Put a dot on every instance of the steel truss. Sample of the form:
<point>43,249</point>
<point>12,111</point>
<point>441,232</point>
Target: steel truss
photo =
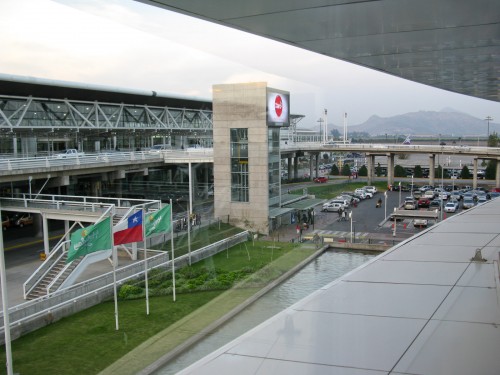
<point>32,114</point>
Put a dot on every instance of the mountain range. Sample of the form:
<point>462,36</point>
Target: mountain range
<point>447,122</point>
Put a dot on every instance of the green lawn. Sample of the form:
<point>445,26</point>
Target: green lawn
<point>87,342</point>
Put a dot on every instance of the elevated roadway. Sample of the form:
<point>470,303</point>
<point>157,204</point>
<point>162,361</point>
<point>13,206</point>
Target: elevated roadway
<point>293,150</point>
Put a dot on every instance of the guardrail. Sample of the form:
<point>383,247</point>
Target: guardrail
<point>385,148</point>
<point>12,164</point>
<point>39,312</point>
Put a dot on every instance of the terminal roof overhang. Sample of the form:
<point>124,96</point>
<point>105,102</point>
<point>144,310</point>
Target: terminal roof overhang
<point>449,44</point>
<point>44,88</point>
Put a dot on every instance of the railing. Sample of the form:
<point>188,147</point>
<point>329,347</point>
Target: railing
<point>436,149</point>
<point>12,164</point>
<point>41,311</point>
<point>44,268</point>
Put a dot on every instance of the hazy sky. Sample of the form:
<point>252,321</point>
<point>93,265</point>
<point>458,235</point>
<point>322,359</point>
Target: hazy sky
<point>128,44</point>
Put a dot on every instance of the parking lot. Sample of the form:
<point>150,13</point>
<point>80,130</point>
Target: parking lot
<point>372,223</point>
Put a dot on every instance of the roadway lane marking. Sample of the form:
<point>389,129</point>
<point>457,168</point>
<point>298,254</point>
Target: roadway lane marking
<point>30,243</point>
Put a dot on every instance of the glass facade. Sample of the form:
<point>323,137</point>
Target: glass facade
<point>239,165</point>
<point>273,142</point>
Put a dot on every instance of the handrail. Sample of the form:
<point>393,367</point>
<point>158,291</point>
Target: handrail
<point>39,307</point>
<point>44,268</point>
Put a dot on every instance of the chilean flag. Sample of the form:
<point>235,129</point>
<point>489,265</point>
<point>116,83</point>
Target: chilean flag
<point>129,230</point>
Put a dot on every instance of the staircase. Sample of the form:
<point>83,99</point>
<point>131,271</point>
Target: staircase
<point>41,287</point>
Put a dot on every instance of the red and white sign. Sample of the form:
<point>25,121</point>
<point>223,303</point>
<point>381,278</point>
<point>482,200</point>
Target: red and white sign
<point>278,108</point>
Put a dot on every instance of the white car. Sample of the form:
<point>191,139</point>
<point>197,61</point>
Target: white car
<point>332,207</point>
<point>370,189</point>
<point>451,206</point>
<point>362,192</point>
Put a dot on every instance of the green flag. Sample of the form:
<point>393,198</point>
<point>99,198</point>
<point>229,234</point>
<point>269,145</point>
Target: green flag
<point>90,239</point>
<point>158,222</point>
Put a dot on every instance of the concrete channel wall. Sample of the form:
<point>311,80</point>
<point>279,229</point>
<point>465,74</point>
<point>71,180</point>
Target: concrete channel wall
<point>40,312</point>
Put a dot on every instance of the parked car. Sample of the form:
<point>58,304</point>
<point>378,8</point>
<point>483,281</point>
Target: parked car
<point>426,187</point>
<point>410,204</point>
<point>424,202</point>
<point>321,180</point>
<point>5,222</point>
<point>436,204</point>
<point>420,223</point>
<point>456,195</point>
<point>365,192</point>
<point>370,189</point>
<point>429,194</point>
<point>481,198</point>
<point>332,207</point>
<point>26,219</point>
<point>451,206</point>
<point>468,203</point>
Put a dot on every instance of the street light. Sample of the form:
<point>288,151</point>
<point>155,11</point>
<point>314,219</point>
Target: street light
<point>412,185</point>
<point>350,218</point>
<point>488,118</point>
<point>395,223</point>
<point>399,194</point>
<point>385,205</point>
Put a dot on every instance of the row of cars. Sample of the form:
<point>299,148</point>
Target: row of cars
<point>16,220</point>
<point>346,199</point>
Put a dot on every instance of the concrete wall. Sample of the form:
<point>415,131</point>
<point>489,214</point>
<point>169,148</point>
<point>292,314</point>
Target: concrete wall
<point>241,106</point>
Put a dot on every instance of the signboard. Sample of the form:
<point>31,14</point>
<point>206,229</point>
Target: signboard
<point>278,108</point>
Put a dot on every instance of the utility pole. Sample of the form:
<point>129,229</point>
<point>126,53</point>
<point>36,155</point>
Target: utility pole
<point>488,119</point>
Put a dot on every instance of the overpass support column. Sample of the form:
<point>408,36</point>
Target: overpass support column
<point>390,169</point>
<point>474,174</point>
<point>432,169</point>
<point>289,165</point>
<point>497,175</point>
<point>96,189</point>
<point>295,167</point>
<point>45,225</point>
<point>371,166</point>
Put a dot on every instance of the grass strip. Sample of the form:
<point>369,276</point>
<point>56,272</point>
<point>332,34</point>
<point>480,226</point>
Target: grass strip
<point>87,342</point>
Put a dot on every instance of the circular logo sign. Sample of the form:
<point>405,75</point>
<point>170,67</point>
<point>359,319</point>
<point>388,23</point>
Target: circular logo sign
<point>278,105</point>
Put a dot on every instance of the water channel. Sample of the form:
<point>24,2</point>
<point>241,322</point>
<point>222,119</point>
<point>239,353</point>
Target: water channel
<point>323,270</point>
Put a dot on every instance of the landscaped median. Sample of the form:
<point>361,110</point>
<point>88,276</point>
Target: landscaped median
<point>159,349</point>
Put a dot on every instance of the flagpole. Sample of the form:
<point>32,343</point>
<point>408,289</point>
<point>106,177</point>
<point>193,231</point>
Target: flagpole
<point>172,247</point>
<point>145,260</point>
<point>115,261</point>
<point>5,304</point>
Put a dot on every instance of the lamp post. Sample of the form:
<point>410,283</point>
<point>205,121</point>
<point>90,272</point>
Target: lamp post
<point>488,119</point>
<point>350,218</point>
<point>320,128</point>
<point>385,205</point>
<point>395,223</point>
<point>412,185</point>
<point>399,194</point>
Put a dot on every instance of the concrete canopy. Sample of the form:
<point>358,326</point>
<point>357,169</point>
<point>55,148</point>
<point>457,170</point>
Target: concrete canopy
<point>449,44</point>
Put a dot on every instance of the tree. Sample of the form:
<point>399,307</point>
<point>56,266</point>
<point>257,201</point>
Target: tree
<point>493,140</point>
<point>465,173</point>
<point>417,171</point>
<point>438,171</point>
<point>346,170</point>
<point>363,171</point>
<point>399,171</point>
<point>491,170</point>
<point>335,170</point>
<point>378,170</point>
